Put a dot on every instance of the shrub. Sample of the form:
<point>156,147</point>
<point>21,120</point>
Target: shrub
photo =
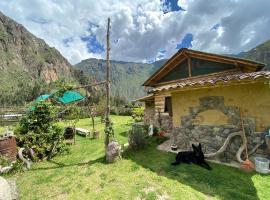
<point>38,130</point>
<point>137,137</point>
<point>138,114</point>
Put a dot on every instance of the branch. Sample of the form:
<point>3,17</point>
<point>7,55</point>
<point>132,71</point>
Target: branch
<point>226,143</point>
<point>90,85</point>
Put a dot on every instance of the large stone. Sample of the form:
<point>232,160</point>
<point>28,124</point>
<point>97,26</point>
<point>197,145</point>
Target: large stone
<point>5,190</point>
<point>113,152</point>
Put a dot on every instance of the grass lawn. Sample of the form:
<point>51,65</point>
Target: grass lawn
<point>146,174</point>
<point>2,129</point>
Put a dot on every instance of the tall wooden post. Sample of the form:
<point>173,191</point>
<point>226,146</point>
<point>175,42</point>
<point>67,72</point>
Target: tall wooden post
<point>107,117</point>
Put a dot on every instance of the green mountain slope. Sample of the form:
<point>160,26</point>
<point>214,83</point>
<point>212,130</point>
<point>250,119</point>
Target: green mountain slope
<point>126,77</point>
<point>260,53</point>
<point>25,62</point>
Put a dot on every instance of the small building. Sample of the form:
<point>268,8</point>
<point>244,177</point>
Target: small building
<point>200,96</point>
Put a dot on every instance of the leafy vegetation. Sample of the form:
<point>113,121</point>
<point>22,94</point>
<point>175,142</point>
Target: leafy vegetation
<point>144,174</point>
<point>138,114</point>
<point>38,130</point>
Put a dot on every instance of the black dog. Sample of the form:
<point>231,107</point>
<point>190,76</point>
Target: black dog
<point>196,156</point>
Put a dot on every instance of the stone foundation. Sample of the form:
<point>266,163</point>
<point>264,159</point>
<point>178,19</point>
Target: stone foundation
<point>210,124</point>
<point>161,120</point>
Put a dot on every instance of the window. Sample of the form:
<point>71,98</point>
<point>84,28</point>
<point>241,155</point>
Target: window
<point>202,67</point>
<point>168,105</point>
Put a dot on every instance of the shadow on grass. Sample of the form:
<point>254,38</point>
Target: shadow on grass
<point>62,165</point>
<point>124,134</point>
<point>223,182</point>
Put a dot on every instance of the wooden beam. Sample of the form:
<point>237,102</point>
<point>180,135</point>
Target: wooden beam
<point>226,72</point>
<point>170,62</point>
<point>189,66</point>
<point>170,68</point>
<point>221,60</point>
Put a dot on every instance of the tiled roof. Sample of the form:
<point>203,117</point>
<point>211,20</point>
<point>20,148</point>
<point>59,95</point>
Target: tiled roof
<point>145,98</point>
<point>239,76</point>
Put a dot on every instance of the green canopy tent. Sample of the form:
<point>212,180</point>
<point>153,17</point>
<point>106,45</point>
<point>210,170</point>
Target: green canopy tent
<point>68,97</point>
<point>42,97</point>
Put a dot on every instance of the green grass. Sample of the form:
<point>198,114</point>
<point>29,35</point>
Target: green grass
<point>145,174</point>
<point>2,129</point>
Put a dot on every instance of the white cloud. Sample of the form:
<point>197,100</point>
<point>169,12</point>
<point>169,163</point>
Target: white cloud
<point>140,29</point>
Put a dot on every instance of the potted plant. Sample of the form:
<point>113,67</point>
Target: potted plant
<point>161,132</point>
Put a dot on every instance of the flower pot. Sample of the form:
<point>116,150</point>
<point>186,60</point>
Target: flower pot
<point>96,134</point>
<point>8,147</point>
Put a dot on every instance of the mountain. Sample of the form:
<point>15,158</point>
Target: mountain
<point>126,77</point>
<point>26,61</point>
<point>260,53</point>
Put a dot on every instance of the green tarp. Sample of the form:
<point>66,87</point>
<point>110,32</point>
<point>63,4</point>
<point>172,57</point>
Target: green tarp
<point>42,97</point>
<point>68,97</point>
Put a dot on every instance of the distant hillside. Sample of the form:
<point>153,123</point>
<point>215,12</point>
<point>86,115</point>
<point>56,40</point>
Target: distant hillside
<point>260,53</point>
<point>26,61</point>
<point>126,77</point>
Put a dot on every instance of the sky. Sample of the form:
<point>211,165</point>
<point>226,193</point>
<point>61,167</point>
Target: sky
<point>143,30</point>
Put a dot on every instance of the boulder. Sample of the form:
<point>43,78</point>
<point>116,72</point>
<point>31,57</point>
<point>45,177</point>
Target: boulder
<point>113,152</point>
<point>5,190</point>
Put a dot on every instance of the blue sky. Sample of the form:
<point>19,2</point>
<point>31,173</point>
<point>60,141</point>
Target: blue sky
<point>143,30</point>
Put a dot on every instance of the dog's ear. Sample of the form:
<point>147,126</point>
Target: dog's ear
<point>194,147</point>
<point>200,147</point>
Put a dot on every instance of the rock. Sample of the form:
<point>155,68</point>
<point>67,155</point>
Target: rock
<point>216,130</point>
<point>5,189</point>
<point>226,131</point>
<point>13,187</point>
<point>113,152</point>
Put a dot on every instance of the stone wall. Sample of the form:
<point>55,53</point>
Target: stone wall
<point>149,112</point>
<point>196,129</point>
<point>157,117</point>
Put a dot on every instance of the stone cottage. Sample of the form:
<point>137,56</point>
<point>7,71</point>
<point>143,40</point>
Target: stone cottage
<point>203,97</point>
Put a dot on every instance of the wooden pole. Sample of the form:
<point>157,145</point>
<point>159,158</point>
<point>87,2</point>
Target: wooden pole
<point>107,82</point>
<point>189,66</point>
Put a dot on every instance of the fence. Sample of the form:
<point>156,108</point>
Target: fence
<point>10,115</point>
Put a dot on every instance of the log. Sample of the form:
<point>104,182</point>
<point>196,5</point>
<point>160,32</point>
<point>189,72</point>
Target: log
<point>226,143</point>
<point>224,146</point>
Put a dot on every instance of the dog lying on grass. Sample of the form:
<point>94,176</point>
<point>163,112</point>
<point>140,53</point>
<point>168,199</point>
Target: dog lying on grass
<point>196,156</point>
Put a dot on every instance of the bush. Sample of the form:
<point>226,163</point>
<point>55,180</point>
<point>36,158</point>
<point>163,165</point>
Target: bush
<point>138,114</point>
<point>123,111</point>
<point>38,130</point>
<point>137,137</point>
